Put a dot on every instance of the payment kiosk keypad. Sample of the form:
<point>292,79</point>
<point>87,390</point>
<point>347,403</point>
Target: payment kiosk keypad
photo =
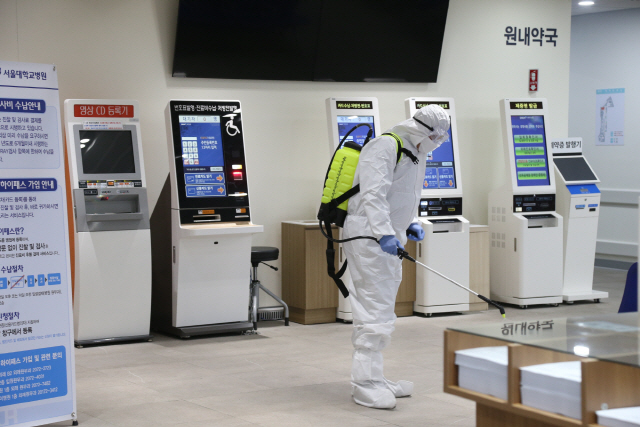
<point>441,206</point>
<point>534,203</point>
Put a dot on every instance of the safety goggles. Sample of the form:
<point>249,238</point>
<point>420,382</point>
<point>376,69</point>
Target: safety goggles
<point>438,137</point>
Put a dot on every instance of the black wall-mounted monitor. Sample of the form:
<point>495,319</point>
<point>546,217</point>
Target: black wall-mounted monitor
<point>324,40</point>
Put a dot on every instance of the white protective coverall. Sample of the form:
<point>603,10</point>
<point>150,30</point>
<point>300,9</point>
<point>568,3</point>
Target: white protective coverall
<point>386,205</point>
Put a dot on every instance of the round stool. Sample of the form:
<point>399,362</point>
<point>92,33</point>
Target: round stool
<point>263,253</point>
<point>260,254</point>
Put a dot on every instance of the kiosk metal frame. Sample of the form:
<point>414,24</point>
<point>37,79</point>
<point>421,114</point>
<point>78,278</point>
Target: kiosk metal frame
<point>578,201</point>
<point>201,226</point>
<point>526,231</point>
<point>112,288</point>
<point>446,244</point>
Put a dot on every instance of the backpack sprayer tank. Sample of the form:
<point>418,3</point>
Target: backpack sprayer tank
<point>339,180</point>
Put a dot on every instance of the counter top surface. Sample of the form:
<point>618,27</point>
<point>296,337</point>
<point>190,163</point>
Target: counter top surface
<point>610,337</point>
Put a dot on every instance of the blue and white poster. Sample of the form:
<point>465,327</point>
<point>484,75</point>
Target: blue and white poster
<point>37,375</point>
<point>610,116</point>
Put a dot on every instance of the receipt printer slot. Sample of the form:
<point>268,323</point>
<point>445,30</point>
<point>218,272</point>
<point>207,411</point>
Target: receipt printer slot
<point>110,211</point>
<point>446,225</point>
<point>541,221</point>
<point>116,204</point>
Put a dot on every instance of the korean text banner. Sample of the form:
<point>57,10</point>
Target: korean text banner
<point>37,376</point>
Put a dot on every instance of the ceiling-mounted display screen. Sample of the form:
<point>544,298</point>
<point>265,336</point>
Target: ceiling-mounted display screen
<point>323,40</point>
<point>346,123</point>
<point>441,167</point>
<point>530,149</point>
<point>107,152</point>
<point>574,169</point>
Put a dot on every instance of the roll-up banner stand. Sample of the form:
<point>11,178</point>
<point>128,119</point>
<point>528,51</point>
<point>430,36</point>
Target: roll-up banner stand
<point>37,374</point>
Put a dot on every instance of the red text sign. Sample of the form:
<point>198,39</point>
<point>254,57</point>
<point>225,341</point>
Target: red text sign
<point>92,110</point>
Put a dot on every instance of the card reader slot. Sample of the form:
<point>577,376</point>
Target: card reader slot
<point>206,218</point>
<point>99,217</point>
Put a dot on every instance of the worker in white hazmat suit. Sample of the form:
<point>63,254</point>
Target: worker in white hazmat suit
<point>385,208</point>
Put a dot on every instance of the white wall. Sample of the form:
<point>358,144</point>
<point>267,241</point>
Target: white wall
<point>124,49</point>
<point>605,55</point>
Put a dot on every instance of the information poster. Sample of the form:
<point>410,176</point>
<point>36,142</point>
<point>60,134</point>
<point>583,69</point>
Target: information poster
<point>37,377</point>
<point>610,116</point>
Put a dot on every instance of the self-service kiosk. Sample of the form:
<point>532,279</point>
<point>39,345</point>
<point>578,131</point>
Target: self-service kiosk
<point>445,247</point>
<point>343,114</point>
<point>578,201</point>
<point>112,286</point>
<point>201,227</point>
<point>526,231</point>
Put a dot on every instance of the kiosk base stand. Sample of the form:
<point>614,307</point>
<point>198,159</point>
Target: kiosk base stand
<point>186,332</point>
<point>115,340</point>
<point>526,302</point>
<point>162,319</point>
<point>445,248</point>
<point>594,296</point>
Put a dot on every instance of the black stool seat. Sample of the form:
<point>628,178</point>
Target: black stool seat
<point>263,253</point>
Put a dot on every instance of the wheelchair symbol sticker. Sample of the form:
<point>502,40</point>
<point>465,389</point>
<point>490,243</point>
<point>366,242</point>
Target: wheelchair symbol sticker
<point>232,130</point>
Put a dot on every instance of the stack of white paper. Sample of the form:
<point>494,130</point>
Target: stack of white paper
<point>620,417</point>
<point>553,387</point>
<point>483,369</point>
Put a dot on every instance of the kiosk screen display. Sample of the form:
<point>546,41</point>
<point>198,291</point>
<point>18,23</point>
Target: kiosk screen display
<point>107,151</point>
<point>530,149</point>
<point>346,123</point>
<point>202,156</point>
<point>441,169</point>
<point>574,169</point>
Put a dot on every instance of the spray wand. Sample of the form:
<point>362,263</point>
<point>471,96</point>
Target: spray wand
<point>404,254</point>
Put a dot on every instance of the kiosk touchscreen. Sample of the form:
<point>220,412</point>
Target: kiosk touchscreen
<point>201,226</point>
<point>526,230</point>
<point>578,202</point>
<point>112,254</point>
<point>343,114</point>
<point>446,243</point>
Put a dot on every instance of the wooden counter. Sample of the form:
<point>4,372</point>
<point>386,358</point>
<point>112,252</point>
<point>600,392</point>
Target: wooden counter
<point>310,293</point>
<point>603,382</point>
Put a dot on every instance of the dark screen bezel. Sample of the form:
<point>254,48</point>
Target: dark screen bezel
<point>137,175</point>
<point>564,165</point>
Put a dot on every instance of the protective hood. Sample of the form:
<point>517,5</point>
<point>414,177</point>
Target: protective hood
<point>417,129</point>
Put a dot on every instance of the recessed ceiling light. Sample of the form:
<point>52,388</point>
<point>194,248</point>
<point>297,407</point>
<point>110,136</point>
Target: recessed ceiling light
<point>585,3</point>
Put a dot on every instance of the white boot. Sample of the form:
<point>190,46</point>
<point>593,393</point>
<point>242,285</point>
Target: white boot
<point>373,395</point>
<point>400,389</point>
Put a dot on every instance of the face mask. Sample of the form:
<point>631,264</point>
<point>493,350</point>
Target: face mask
<point>439,136</point>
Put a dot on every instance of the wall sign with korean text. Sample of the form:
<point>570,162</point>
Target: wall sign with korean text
<point>530,36</point>
<point>566,146</point>
<point>36,322</point>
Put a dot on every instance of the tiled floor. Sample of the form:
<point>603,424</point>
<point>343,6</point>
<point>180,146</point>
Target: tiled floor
<point>285,376</point>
